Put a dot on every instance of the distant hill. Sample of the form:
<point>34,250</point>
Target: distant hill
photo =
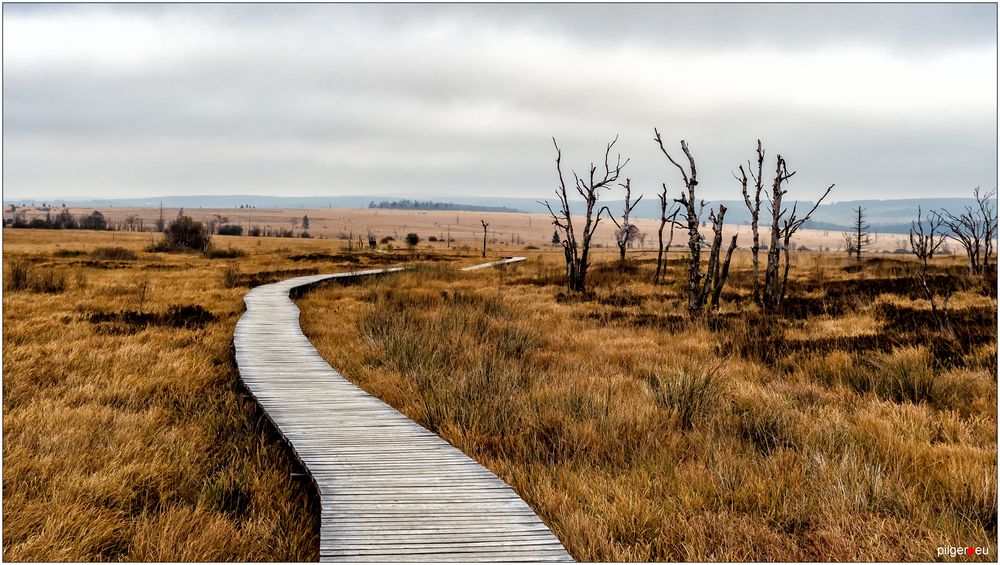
<point>884,216</point>
<point>431,205</point>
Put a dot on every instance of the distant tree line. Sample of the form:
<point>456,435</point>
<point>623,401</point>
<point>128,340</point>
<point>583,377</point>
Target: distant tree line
<point>63,220</point>
<point>430,205</point>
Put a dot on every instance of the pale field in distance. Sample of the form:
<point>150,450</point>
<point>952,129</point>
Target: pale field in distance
<point>465,227</point>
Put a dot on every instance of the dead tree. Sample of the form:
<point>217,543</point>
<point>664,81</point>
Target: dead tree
<point>848,243</point>
<point>661,256</point>
<point>924,243</point>
<point>781,235</point>
<point>485,225</point>
<point>717,274</point>
<point>626,231</point>
<point>788,229</point>
<point>699,286</point>
<point>974,228</point>
<point>859,238</point>
<point>576,247</point>
<point>754,208</point>
<point>988,213</point>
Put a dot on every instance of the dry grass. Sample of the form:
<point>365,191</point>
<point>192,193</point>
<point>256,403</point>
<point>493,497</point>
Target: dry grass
<point>853,433</point>
<point>126,433</point>
<point>846,430</point>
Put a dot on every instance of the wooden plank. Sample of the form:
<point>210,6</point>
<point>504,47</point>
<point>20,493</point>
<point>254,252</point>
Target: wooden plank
<point>389,489</point>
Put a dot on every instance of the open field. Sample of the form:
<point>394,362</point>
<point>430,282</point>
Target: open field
<point>849,431</point>
<point>505,229</point>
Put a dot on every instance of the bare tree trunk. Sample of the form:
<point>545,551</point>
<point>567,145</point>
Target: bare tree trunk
<point>721,282</point>
<point>787,245</point>
<point>624,233</point>
<point>770,297</point>
<point>712,272</point>
<point>661,255</point>
<point>485,225</point>
<point>754,208</point>
<point>699,286</point>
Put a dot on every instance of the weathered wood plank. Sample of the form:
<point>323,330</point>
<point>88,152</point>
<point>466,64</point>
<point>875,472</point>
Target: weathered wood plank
<point>389,489</point>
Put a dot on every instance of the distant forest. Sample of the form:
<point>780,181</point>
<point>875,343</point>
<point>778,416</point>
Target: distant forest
<point>431,205</point>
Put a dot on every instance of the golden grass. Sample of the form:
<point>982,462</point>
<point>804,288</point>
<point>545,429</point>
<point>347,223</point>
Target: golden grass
<point>131,438</point>
<point>849,430</point>
<point>635,433</point>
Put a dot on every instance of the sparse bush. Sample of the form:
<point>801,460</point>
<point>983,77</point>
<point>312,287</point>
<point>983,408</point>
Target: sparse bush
<point>18,273</point>
<point>231,276</point>
<point>113,254</point>
<point>22,275</point>
<point>49,281</point>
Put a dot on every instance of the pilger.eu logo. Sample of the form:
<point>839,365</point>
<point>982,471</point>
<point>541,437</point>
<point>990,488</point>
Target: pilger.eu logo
<point>949,551</point>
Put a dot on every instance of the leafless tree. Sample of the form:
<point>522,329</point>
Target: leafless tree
<point>924,243</point>
<point>974,228</point>
<point>782,230</point>
<point>717,274</point>
<point>788,229</point>
<point>626,231</point>
<point>848,243</point>
<point>576,247</point>
<point>859,238</point>
<point>485,225</point>
<point>754,207</point>
<point>699,286</point>
<point>662,253</point>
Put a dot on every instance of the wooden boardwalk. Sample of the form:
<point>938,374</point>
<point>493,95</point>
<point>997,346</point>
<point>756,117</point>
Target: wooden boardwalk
<point>389,489</point>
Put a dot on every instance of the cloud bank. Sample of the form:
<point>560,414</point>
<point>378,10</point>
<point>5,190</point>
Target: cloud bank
<point>133,100</point>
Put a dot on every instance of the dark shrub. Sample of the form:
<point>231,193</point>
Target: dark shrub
<point>387,239</point>
<point>64,220</point>
<point>18,273</point>
<point>231,229</point>
<point>68,253</point>
<point>95,221</point>
<point>183,233</point>
<point>412,239</point>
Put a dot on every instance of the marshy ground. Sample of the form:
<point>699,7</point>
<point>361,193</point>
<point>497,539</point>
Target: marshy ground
<point>850,428</point>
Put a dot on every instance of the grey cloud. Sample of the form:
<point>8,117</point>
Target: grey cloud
<point>346,99</point>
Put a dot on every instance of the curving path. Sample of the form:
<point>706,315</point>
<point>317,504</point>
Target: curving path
<point>389,489</point>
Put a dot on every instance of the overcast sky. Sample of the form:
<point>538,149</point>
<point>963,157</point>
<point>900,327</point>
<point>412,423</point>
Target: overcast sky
<point>886,101</point>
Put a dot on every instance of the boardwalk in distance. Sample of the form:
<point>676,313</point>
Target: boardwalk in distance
<point>389,489</point>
